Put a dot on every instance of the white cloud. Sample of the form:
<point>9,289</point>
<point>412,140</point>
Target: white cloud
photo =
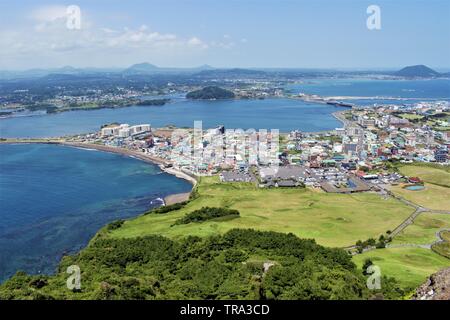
<point>196,42</point>
<point>49,39</point>
<point>49,13</point>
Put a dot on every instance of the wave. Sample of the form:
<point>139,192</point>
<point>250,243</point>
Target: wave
<point>87,149</point>
<point>160,200</point>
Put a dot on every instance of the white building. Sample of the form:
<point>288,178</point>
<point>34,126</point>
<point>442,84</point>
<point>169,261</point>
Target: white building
<point>125,130</point>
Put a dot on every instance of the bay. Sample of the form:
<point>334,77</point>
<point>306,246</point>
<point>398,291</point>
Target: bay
<point>282,114</point>
<point>53,199</point>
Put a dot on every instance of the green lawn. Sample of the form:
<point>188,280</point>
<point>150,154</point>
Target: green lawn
<point>433,175</point>
<point>433,196</point>
<point>410,116</point>
<point>424,228</point>
<point>331,219</point>
<point>443,248</point>
<point>410,266</point>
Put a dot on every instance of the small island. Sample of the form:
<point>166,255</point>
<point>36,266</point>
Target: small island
<point>418,71</point>
<point>152,102</point>
<point>210,93</point>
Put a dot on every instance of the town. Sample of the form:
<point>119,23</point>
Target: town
<point>358,157</point>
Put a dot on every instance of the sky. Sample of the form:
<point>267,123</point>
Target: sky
<point>224,33</point>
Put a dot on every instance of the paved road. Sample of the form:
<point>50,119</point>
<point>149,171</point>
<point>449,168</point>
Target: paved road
<point>408,221</point>
<point>439,239</point>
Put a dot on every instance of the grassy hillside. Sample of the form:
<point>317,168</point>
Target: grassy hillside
<point>433,196</point>
<point>230,266</point>
<point>331,219</point>
<point>430,174</point>
<point>443,248</point>
<point>409,266</point>
<point>424,228</point>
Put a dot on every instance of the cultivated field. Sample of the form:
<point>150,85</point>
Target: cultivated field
<point>331,219</point>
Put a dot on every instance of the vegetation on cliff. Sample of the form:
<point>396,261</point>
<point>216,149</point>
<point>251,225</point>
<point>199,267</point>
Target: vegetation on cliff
<point>210,93</point>
<point>240,264</point>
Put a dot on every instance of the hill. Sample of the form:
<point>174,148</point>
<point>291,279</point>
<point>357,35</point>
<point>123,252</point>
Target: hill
<point>241,264</point>
<point>418,71</point>
<point>146,68</point>
<point>332,219</point>
<point>210,93</point>
<point>233,73</point>
<point>141,68</point>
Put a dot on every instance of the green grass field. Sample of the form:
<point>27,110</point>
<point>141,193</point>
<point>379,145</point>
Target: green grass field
<point>446,236</point>
<point>424,228</point>
<point>410,116</point>
<point>443,248</point>
<point>332,219</point>
<point>432,197</point>
<point>410,266</point>
<point>432,175</point>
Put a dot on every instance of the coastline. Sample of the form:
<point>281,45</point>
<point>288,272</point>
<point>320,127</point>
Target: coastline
<point>137,155</point>
<point>167,200</point>
<point>339,116</point>
<point>162,163</point>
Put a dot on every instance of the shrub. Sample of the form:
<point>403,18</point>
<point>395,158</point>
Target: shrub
<point>169,208</point>
<point>114,225</point>
<point>206,213</point>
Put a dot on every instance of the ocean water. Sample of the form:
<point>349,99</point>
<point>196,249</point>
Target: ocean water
<point>282,114</point>
<point>53,199</point>
<point>413,89</point>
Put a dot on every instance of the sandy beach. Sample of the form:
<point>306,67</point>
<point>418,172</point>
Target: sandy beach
<point>176,198</point>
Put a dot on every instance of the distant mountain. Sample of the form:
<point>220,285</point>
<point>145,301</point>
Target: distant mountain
<point>68,70</point>
<point>148,68</point>
<point>141,68</point>
<point>205,67</point>
<point>210,93</point>
<point>232,73</point>
<point>419,71</point>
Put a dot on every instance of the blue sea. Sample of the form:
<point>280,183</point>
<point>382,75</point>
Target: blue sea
<point>406,91</point>
<point>53,199</point>
<point>282,114</point>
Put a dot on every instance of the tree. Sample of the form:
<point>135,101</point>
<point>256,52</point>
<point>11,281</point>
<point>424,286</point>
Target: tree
<point>367,264</point>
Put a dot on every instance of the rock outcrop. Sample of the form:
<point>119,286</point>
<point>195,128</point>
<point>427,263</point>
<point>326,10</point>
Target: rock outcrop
<point>437,287</point>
